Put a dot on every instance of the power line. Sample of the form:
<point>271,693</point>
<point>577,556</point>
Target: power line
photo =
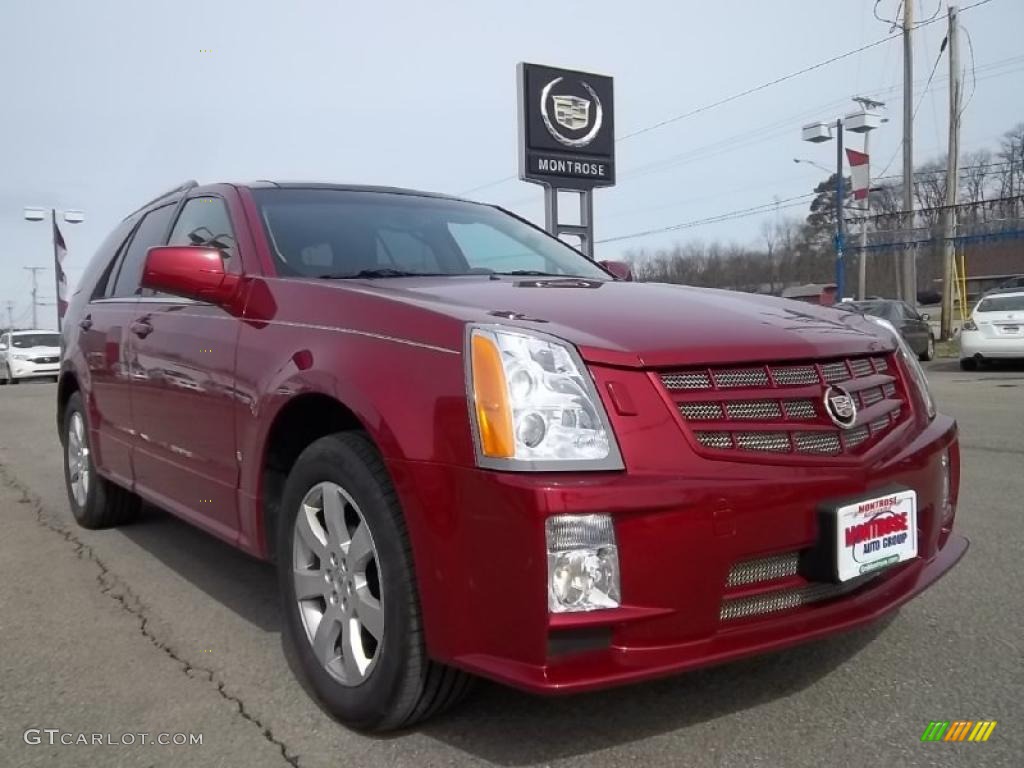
<point>741,94</point>
<point>920,101</point>
<point>790,202</point>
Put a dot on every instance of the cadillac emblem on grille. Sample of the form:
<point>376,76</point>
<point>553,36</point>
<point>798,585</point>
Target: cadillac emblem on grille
<point>840,407</point>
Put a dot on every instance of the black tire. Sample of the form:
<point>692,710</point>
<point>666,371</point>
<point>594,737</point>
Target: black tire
<point>3,375</point>
<point>929,350</point>
<point>968,364</point>
<point>106,504</point>
<point>404,686</point>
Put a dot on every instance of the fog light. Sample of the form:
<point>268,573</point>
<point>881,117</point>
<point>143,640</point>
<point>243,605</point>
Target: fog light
<point>945,491</point>
<point>583,563</point>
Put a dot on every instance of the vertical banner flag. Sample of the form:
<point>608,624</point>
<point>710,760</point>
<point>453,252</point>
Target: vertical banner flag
<point>859,173</point>
<point>60,250</point>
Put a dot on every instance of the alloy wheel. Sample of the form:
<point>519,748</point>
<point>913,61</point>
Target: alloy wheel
<point>337,583</point>
<point>79,469</point>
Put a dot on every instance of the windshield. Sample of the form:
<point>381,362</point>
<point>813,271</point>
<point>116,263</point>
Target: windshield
<point>883,309</point>
<point>1002,304</point>
<point>332,233</point>
<point>28,340</point>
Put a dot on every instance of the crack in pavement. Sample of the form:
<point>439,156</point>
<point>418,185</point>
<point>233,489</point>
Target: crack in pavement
<point>116,589</point>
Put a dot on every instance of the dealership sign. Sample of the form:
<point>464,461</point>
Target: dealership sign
<point>566,128</point>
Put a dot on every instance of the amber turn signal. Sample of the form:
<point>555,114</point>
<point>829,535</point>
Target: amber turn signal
<point>490,395</point>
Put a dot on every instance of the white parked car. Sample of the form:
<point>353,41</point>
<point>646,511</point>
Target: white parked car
<point>29,355</point>
<point>994,330</point>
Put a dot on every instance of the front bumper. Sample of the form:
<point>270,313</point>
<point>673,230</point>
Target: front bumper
<point>26,369</point>
<point>478,542</point>
<point>976,343</point>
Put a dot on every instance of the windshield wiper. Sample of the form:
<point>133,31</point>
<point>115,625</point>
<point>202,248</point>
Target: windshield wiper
<point>381,272</point>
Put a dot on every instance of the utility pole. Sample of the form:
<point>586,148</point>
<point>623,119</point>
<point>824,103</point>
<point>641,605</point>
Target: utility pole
<point>862,266</point>
<point>10,315</point>
<point>952,177</point>
<point>909,282</point>
<point>35,291</point>
<point>840,216</point>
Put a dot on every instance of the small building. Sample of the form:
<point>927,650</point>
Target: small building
<point>812,293</point>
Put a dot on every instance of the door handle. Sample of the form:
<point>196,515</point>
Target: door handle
<point>141,328</point>
<point>86,323</point>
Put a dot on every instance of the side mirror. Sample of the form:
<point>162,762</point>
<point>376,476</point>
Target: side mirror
<point>621,269</point>
<point>925,316</point>
<point>191,271</point>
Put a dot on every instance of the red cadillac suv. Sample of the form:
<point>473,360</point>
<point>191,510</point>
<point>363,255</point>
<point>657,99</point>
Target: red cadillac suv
<point>471,451</point>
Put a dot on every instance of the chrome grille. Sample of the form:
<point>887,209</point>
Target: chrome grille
<point>763,441</point>
<point>855,437</point>
<point>746,407</point>
<point>871,396</point>
<point>695,380</point>
<point>834,372</point>
<point>787,599</point>
<point>799,409</point>
<point>714,439</point>
<point>794,375</point>
<point>742,377</point>
<point>763,569</point>
<point>861,367</point>
<point>826,443</point>
<point>701,411</point>
<point>754,409</point>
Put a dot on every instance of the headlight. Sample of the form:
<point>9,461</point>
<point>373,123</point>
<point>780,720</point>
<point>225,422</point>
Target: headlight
<point>911,362</point>
<point>583,563</point>
<point>533,404</point>
<point>20,356</point>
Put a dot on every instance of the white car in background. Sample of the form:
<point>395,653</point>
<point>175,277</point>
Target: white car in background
<point>29,355</point>
<point>995,330</point>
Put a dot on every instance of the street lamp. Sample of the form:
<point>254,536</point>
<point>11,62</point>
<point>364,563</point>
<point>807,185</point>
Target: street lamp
<point>812,162</point>
<point>863,121</point>
<point>41,214</point>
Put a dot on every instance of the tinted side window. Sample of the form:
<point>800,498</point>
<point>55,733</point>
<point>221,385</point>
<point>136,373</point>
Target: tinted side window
<point>204,221</point>
<point>103,267</point>
<point>149,233</point>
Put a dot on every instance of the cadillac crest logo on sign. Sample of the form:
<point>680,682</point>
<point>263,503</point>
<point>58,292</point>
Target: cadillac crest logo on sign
<point>572,113</point>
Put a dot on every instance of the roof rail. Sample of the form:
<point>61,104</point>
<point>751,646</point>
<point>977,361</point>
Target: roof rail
<point>184,187</point>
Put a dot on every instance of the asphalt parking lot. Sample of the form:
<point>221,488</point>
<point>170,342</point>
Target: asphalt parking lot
<point>158,628</point>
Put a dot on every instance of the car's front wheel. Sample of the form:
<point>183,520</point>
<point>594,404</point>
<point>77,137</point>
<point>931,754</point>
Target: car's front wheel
<point>5,375</point>
<point>929,349</point>
<point>352,614</point>
<point>95,501</point>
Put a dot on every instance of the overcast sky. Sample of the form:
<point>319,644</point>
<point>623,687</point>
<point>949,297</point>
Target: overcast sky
<point>110,102</point>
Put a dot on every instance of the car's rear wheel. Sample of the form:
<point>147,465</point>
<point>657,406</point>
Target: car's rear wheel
<point>929,349</point>
<point>95,501</point>
<point>352,613</point>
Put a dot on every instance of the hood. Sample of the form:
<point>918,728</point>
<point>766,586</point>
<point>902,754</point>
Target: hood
<point>646,324</point>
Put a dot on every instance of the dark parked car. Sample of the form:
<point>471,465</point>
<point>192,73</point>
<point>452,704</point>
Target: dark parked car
<point>912,325</point>
<point>472,451</point>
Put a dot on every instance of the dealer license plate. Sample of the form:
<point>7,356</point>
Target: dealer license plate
<point>875,533</point>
